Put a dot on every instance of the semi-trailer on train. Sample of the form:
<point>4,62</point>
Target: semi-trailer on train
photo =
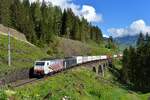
<point>48,67</point>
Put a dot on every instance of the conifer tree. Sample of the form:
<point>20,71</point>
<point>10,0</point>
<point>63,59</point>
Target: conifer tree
<point>37,17</point>
<point>136,65</point>
<point>64,25</point>
<point>40,22</point>
<point>5,12</point>
<point>140,40</point>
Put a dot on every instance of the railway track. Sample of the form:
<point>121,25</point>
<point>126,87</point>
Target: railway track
<point>30,81</point>
<point>23,82</point>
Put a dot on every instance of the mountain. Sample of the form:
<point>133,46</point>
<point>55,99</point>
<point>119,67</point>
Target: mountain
<point>126,41</point>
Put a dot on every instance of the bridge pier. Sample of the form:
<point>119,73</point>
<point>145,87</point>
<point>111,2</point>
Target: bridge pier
<point>101,70</point>
<point>99,67</point>
<point>94,69</point>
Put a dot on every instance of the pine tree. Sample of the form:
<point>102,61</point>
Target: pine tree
<point>57,20</point>
<point>140,40</point>
<point>136,65</point>
<point>16,15</point>
<point>125,65</point>
<point>47,27</point>
<point>1,12</point>
<point>5,12</point>
<point>75,33</point>
<point>41,22</point>
<point>64,24</point>
<point>37,17</point>
<point>69,22</point>
<point>132,61</point>
<point>28,22</point>
<point>147,39</point>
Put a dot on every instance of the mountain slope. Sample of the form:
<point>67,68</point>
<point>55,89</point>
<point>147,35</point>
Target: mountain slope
<point>74,48</point>
<point>23,56</point>
<point>126,41</point>
<point>23,53</point>
<point>75,84</point>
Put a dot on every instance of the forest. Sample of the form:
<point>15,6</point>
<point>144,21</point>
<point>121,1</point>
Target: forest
<point>136,64</point>
<point>42,22</point>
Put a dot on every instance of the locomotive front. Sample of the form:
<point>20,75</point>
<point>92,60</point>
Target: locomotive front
<point>39,68</point>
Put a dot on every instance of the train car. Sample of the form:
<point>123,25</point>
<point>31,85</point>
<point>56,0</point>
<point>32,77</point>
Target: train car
<point>69,62</point>
<point>115,56</point>
<point>95,58</point>
<point>120,55</point>
<point>39,67</point>
<point>89,58</point>
<point>79,59</point>
<point>56,65</point>
<point>98,57</point>
<point>48,67</point>
<point>103,57</point>
<point>84,59</point>
<point>92,58</point>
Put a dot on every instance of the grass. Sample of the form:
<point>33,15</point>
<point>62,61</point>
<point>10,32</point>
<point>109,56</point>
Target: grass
<point>23,55</point>
<point>76,84</point>
<point>72,48</point>
<point>100,48</point>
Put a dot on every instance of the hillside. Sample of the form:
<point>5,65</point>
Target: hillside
<point>24,54</point>
<point>41,22</point>
<point>74,48</point>
<point>126,41</point>
<point>78,83</point>
<point>14,33</point>
<point>75,84</point>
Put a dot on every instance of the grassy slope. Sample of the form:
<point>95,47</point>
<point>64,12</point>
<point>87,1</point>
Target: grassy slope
<point>72,48</point>
<point>23,55</point>
<point>77,84</point>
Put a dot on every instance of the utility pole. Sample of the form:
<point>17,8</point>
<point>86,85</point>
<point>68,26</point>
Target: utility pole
<point>9,52</point>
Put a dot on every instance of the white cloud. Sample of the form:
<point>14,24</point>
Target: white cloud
<point>106,36</point>
<point>90,14</point>
<point>86,11</point>
<point>135,28</point>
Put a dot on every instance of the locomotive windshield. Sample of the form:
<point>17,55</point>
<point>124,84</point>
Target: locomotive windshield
<point>40,63</point>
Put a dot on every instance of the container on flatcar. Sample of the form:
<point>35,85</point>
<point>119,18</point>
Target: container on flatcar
<point>92,58</point>
<point>121,55</point>
<point>103,57</point>
<point>85,59</point>
<point>79,59</point>
<point>98,57</point>
<point>89,58</point>
<point>95,58</point>
<point>115,56</point>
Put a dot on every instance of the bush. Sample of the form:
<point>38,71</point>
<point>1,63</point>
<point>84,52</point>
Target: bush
<point>3,96</point>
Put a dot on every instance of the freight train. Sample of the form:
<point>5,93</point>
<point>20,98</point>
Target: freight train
<point>51,66</point>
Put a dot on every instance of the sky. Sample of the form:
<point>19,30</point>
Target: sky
<point>114,17</point>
